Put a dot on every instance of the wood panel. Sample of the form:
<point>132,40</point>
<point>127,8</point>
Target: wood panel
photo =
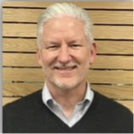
<point>98,17</point>
<point>106,76</point>
<point>113,62</point>
<point>15,59</point>
<point>23,74</point>
<point>19,45</point>
<point>20,89</point>
<point>6,100</point>
<point>94,76</point>
<point>19,30</point>
<point>115,91</point>
<point>111,17</point>
<point>111,91</point>
<point>91,4</point>
<point>110,62</point>
<point>109,32</point>
<point>113,32</point>
<point>21,15</point>
<point>103,47</point>
<point>114,47</point>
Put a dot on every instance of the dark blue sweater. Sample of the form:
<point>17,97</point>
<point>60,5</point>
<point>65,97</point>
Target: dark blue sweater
<point>30,115</point>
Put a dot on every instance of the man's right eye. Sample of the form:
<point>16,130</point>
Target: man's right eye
<point>52,47</point>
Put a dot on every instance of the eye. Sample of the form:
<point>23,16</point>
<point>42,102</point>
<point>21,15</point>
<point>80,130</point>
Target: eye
<point>75,45</point>
<point>52,47</point>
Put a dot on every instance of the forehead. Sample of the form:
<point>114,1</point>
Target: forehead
<point>64,26</point>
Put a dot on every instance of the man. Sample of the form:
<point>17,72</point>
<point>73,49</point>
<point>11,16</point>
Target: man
<point>66,104</point>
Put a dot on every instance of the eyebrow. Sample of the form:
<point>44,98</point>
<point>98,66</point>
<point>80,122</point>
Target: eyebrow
<point>58,42</point>
<point>74,41</point>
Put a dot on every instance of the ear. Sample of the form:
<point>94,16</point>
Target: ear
<point>38,57</point>
<point>93,51</point>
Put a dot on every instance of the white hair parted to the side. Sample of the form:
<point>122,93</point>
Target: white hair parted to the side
<point>64,9</point>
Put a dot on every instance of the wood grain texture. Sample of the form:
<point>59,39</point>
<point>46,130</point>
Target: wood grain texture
<point>113,62</point>
<point>19,45</point>
<point>111,17</point>
<point>89,4</point>
<point>98,16</point>
<point>107,32</point>
<point>19,30</point>
<point>113,32</point>
<point>15,59</point>
<point>103,47</point>
<point>94,76</point>
<point>6,100</point>
<point>101,62</point>
<point>21,15</point>
<point>23,74</point>
<point>115,91</point>
<point>20,89</point>
<point>114,47</point>
<point>106,76</point>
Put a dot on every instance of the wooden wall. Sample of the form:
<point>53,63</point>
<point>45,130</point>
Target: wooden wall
<point>112,72</point>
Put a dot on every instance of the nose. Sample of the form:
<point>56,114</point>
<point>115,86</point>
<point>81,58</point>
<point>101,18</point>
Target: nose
<point>64,56</point>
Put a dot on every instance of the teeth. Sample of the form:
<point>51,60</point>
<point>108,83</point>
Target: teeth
<point>68,68</point>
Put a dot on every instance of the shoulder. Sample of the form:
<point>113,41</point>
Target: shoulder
<point>113,111</point>
<point>105,103</point>
<point>23,112</point>
<point>26,103</point>
<point>109,116</point>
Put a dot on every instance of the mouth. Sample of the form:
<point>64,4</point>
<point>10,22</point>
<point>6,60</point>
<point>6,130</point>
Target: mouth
<point>65,68</point>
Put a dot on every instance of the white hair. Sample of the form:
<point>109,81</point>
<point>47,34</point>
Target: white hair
<point>64,9</point>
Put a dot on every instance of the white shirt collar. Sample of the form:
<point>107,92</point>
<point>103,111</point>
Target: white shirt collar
<point>80,108</point>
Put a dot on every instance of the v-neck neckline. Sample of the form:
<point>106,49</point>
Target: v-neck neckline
<point>78,124</point>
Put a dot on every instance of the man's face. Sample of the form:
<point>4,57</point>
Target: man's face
<point>65,54</point>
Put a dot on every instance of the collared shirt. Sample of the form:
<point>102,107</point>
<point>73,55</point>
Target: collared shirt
<point>79,111</point>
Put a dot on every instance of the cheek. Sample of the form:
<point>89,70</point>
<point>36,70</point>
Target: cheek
<point>85,57</point>
<point>48,58</point>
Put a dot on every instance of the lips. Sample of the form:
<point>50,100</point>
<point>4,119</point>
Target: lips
<point>65,68</point>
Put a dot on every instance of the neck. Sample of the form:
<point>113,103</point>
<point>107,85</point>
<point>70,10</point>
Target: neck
<point>68,98</point>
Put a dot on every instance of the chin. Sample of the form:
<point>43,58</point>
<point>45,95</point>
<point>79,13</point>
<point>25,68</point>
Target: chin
<point>66,84</point>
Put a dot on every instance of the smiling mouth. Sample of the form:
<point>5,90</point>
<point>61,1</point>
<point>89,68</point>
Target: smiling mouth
<point>65,68</point>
